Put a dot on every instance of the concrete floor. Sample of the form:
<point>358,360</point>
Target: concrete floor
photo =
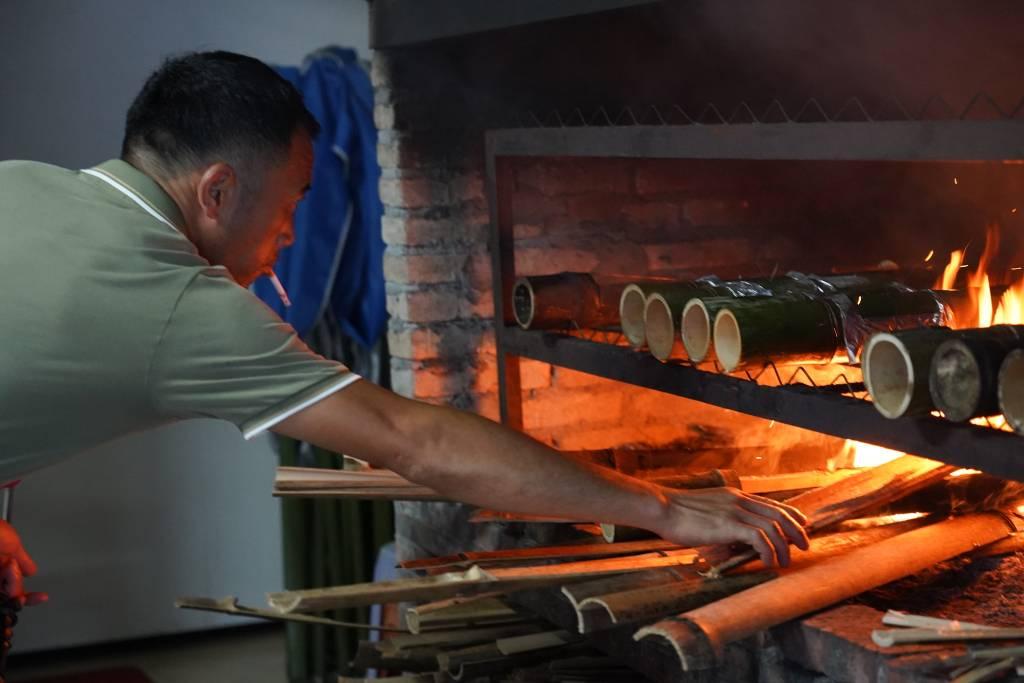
<point>253,654</point>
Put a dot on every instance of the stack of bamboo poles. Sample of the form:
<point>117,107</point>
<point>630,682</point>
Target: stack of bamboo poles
<point>965,374</point>
<point>689,602</point>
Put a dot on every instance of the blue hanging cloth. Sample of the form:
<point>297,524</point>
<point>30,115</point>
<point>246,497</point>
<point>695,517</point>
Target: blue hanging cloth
<point>336,260</point>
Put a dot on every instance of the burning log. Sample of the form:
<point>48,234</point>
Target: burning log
<point>749,333</point>
<point>964,374</point>
<point>699,636</point>
<point>1011,390</point>
<point>564,300</point>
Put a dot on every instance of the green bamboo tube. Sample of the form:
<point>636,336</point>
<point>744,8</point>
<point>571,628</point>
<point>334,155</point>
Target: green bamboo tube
<point>663,312</point>
<point>1011,390</point>
<point>631,314</point>
<point>697,324</point>
<point>896,367</point>
<point>751,332</point>
<point>964,374</point>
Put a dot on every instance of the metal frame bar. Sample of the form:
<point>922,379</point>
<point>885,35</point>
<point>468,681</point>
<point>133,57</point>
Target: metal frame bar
<point>996,452</point>
<point>394,23</point>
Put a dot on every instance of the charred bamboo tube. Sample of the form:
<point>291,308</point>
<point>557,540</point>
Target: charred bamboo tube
<point>752,332</point>
<point>546,302</point>
<point>699,636</point>
<point>1011,390</point>
<point>964,374</point>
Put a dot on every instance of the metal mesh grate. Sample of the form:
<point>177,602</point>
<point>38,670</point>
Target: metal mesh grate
<point>981,107</point>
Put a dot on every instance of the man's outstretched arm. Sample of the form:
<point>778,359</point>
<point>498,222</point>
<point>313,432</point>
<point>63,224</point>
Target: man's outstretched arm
<point>476,461</point>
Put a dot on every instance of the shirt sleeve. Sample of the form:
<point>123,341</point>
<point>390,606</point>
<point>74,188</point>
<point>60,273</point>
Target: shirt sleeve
<point>225,354</point>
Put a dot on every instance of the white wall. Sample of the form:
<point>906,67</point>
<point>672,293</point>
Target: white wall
<point>187,510</point>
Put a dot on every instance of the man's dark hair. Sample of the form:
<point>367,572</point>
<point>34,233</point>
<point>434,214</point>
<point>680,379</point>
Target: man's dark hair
<point>204,107</point>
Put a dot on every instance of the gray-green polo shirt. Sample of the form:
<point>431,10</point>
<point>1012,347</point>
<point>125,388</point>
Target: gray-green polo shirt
<point>111,322</point>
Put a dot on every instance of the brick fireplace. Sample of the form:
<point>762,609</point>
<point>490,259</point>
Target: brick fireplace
<point>560,86</point>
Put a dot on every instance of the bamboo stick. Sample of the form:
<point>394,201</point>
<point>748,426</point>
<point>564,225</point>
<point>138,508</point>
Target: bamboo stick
<point>698,637</point>
<point>563,300</point>
<point>562,552</point>
<point>783,330</point>
<point>663,311</point>
<point>963,378</point>
<point>393,646</point>
<point>229,605</point>
<point>897,618</point>
<point>1011,390</point>
<point>696,324</point>
<point>907,636</point>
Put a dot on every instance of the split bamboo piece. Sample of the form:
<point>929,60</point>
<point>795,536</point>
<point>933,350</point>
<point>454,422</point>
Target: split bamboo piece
<point>782,330</point>
<point>450,613</point>
<point>396,644</point>
<point>907,636</point>
<point>698,637</point>
<point>563,300</point>
<point>963,378</point>
<point>470,582</point>
<point>691,591</point>
<point>1011,390</point>
<point>845,499</point>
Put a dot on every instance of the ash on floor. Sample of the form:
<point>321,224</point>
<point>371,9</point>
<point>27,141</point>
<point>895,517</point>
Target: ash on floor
<point>987,590</point>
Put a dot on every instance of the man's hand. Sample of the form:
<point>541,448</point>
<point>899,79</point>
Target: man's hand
<point>15,563</point>
<point>723,515</point>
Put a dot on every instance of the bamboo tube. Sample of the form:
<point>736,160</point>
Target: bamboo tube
<point>751,332</point>
<point>896,367</point>
<point>631,315</point>
<point>663,311</point>
<point>964,375</point>
<point>1011,390</point>
<point>699,636</point>
<point>696,325</point>
<point>563,300</point>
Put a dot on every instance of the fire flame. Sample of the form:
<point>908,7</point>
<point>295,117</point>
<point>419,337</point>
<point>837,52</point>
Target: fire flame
<point>982,310</point>
<point>868,455</point>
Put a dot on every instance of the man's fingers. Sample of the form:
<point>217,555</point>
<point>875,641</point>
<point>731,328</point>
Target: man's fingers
<point>771,530</point>
<point>793,530</point>
<point>759,541</point>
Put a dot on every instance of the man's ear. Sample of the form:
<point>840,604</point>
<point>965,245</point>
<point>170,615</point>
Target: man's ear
<point>217,190</point>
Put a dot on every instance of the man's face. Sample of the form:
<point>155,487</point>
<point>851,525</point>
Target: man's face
<point>265,222</point>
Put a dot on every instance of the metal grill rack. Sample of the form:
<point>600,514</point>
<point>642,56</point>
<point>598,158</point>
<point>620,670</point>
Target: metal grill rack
<point>839,409</point>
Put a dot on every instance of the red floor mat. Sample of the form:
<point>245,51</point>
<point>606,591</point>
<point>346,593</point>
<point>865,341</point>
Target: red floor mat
<point>123,675</point>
